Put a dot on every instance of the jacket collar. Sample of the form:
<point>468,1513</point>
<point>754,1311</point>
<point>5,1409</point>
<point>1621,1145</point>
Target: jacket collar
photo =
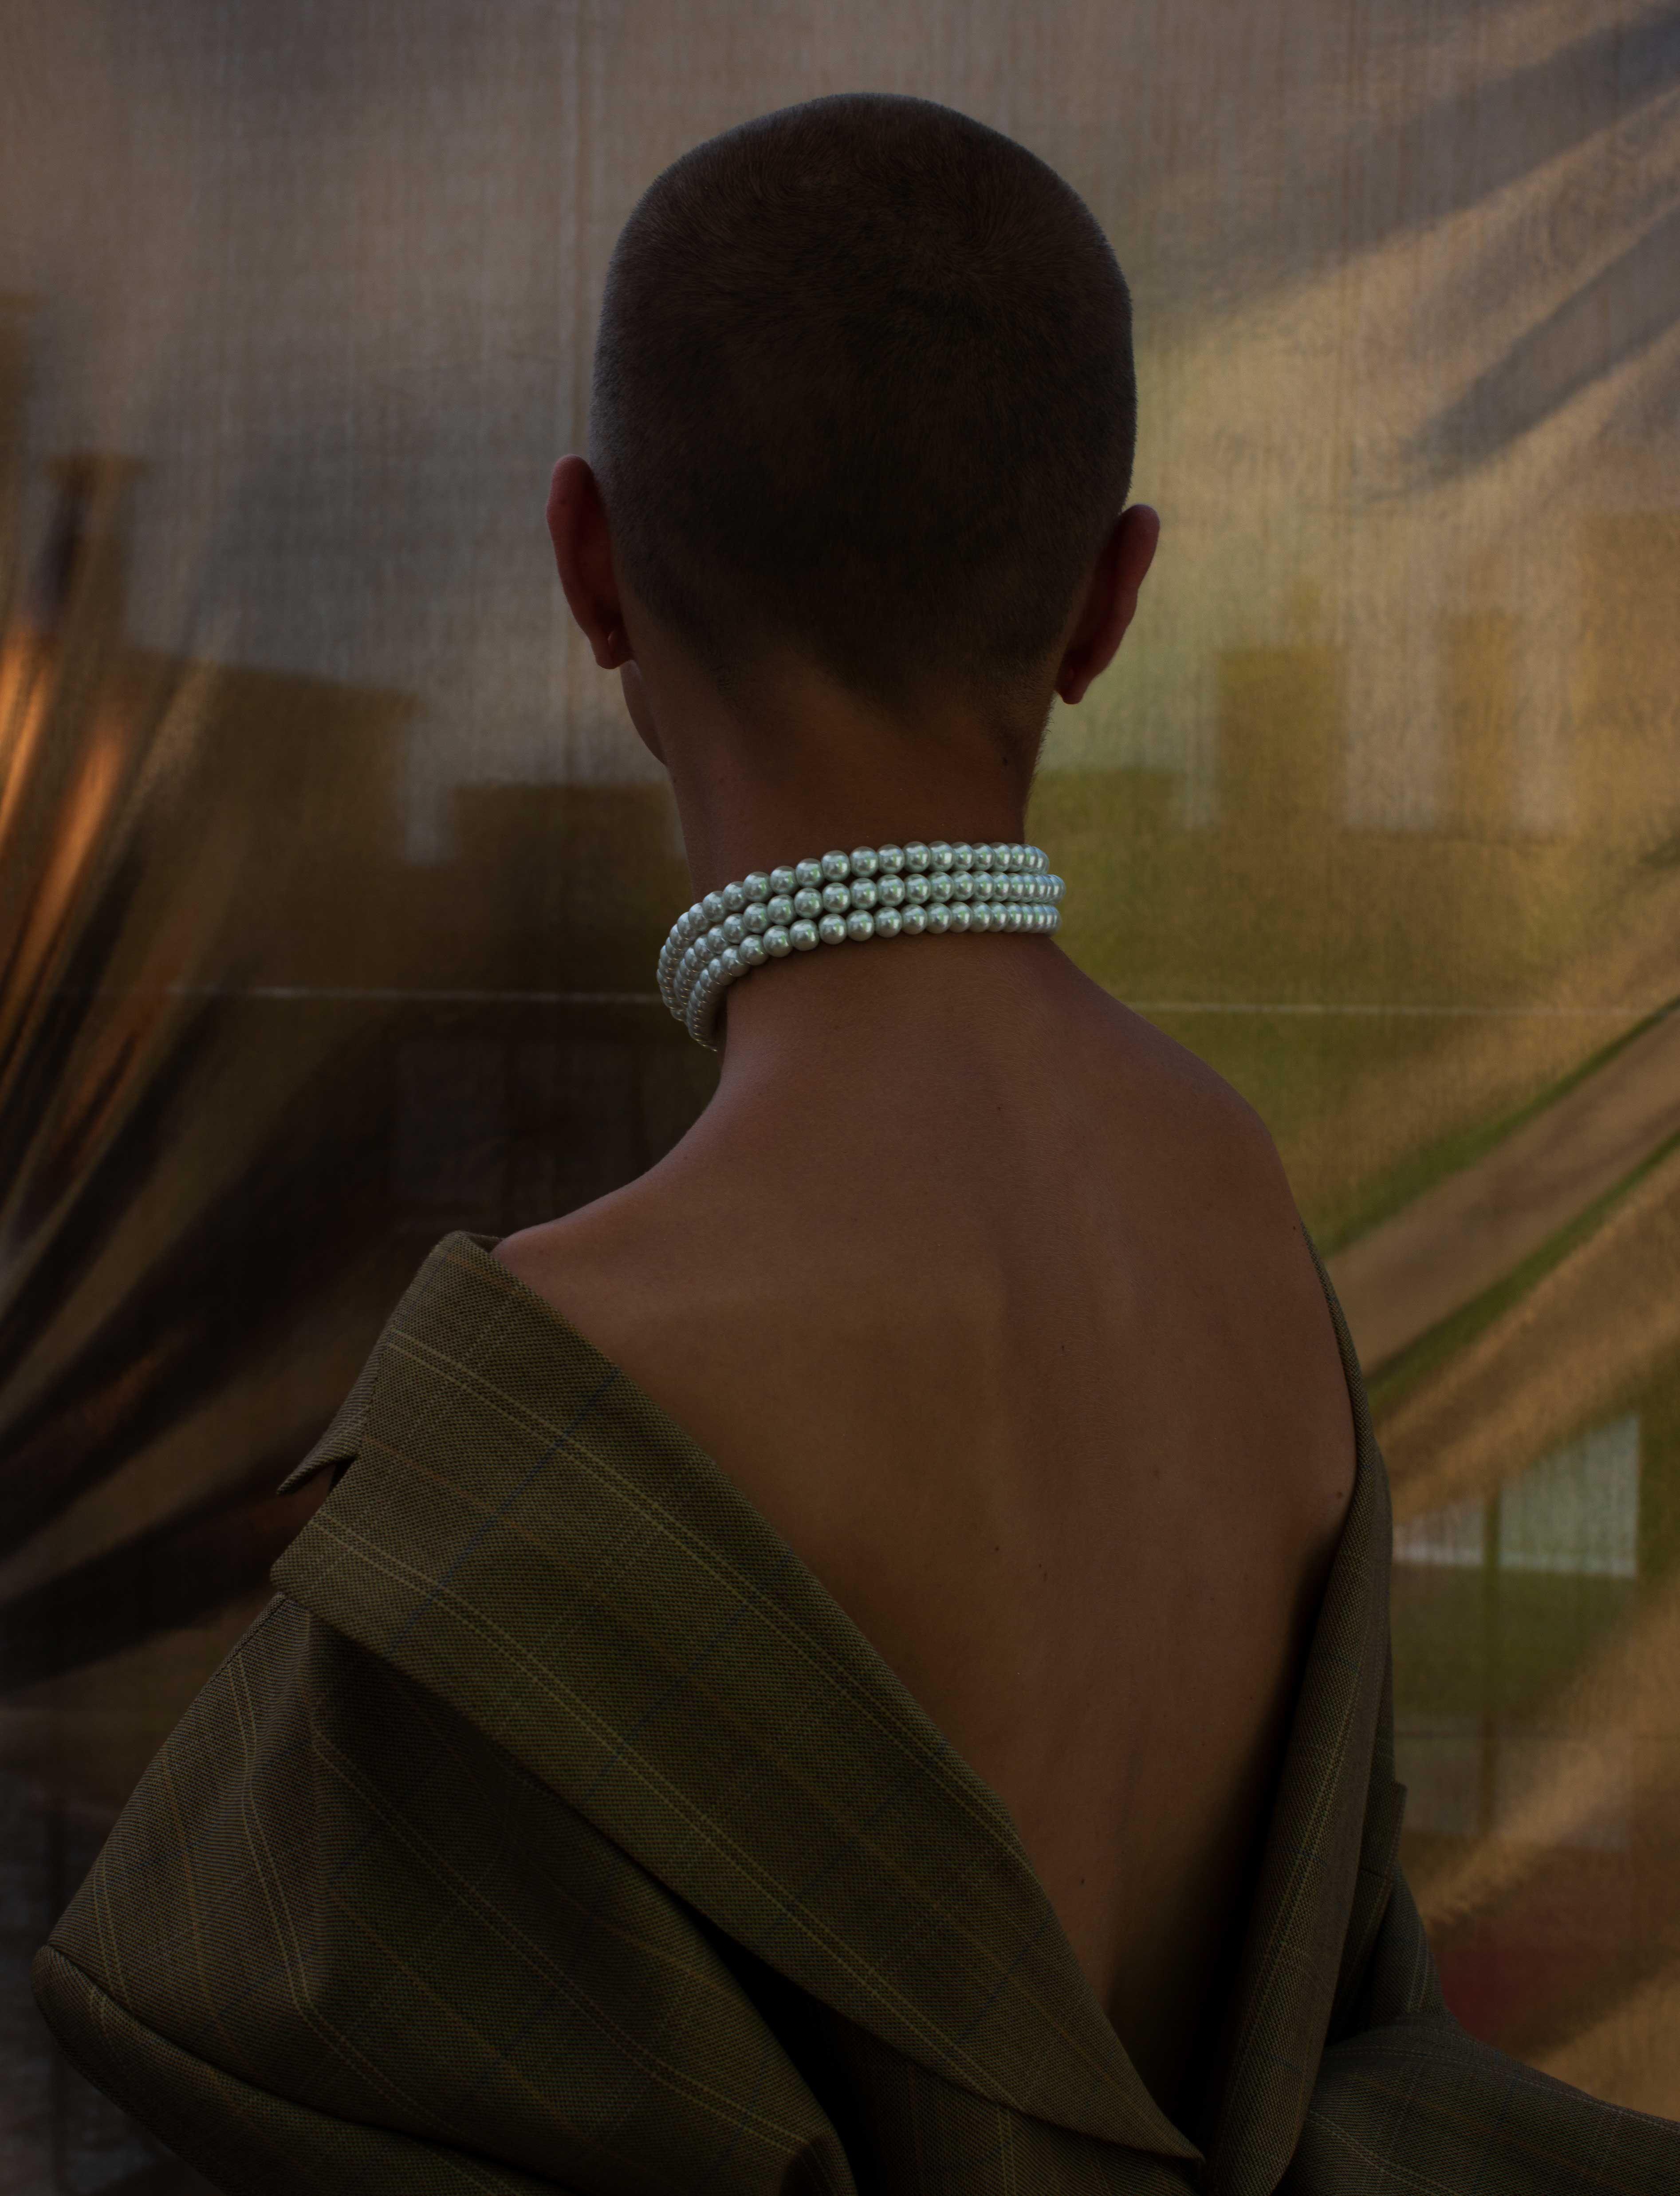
<point>531,1537</point>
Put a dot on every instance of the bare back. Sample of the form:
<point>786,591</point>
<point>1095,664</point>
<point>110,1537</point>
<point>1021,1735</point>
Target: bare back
<point>1060,1422</point>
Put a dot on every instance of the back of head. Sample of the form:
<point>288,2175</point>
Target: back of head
<point>863,392</point>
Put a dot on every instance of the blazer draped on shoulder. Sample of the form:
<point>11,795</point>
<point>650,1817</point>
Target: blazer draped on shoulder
<point>553,1828</point>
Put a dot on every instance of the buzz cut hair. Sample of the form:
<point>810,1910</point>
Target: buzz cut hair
<point>864,392</point>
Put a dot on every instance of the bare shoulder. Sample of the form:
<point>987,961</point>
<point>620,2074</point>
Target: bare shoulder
<point>1243,1218</point>
<point>1211,1113</point>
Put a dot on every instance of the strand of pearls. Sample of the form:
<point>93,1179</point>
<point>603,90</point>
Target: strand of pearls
<point>873,891</point>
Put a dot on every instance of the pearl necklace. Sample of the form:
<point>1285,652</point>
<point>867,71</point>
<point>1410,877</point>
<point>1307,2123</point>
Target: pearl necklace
<point>873,891</point>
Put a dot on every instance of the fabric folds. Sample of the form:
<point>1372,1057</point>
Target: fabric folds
<point>553,1828</point>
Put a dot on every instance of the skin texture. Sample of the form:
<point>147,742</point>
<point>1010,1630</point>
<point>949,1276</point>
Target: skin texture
<point>995,1301</point>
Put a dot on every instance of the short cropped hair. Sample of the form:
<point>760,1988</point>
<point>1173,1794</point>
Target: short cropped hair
<point>863,389</point>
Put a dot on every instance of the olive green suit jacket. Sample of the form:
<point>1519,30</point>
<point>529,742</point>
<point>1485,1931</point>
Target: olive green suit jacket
<point>554,1828</point>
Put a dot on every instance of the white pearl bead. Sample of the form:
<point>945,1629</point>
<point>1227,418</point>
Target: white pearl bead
<point>885,892</point>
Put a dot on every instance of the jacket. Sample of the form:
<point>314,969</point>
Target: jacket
<point>553,1828</point>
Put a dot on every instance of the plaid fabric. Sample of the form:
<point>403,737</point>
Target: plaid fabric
<point>554,1829</point>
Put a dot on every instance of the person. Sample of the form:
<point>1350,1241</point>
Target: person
<point>859,1661</point>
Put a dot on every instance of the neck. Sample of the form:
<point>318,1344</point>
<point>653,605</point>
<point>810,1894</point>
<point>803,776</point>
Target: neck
<point>877,1084</point>
<point>889,1027</point>
<point>867,1023</point>
<point>812,769</point>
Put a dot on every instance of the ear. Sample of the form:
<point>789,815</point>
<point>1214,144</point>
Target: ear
<point>583,556</point>
<point>1110,600</point>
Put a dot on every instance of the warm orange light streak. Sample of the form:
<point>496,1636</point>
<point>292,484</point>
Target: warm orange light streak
<point>86,813</point>
<point>25,693</point>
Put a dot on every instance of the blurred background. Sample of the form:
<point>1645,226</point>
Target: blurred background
<point>332,878</point>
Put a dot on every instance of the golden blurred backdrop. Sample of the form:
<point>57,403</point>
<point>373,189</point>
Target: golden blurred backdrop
<point>331,882</point>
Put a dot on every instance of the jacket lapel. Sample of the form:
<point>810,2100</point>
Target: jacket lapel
<point>528,1535</point>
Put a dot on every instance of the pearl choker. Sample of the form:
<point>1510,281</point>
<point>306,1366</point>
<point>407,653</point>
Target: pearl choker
<point>873,891</point>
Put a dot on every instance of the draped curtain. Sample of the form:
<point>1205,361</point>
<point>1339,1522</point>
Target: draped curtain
<point>333,879</point>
